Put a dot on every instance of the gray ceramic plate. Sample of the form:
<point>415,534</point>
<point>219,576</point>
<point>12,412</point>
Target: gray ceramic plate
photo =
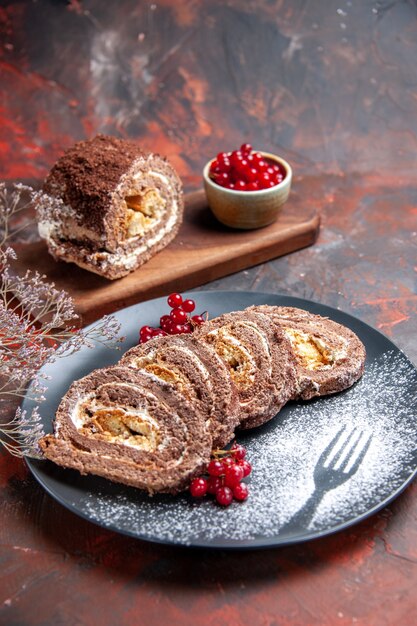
<point>290,499</point>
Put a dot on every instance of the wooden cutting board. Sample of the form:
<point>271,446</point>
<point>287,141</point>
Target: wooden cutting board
<point>204,250</point>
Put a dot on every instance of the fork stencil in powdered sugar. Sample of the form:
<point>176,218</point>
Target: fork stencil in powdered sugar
<point>338,462</point>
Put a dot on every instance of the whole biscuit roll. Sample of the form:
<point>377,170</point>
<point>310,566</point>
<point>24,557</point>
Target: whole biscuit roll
<point>118,205</point>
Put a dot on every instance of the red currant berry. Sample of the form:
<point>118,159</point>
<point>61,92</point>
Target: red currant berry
<point>215,468</point>
<point>213,484</point>
<point>179,316</point>
<point>246,148</point>
<point>246,466</point>
<point>198,487</point>
<point>224,166</point>
<point>238,451</point>
<point>174,300</point>
<point>222,156</point>
<point>145,330</point>
<point>215,167</point>
<point>240,185</point>
<point>198,319</point>
<point>233,475</point>
<point>224,496</point>
<point>168,327</point>
<point>264,180</point>
<point>158,332</point>
<point>164,320</point>
<point>236,158</point>
<point>188,305</point>
<point>144,338</point>
<point>187,328</point>
<point>222,178</point>
<point>240,492</point>
<point>252,186</point>
<point>242,165</point>
<point>227,462</point>
<point>176,329</point>
<point>262,166</point>
<point>251,174</point>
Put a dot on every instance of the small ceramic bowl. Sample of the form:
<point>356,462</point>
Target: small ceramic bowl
<point>248,209</point>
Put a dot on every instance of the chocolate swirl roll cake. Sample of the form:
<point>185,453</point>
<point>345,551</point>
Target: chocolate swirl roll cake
<point>329,356</point>
<point>259,359</point>
<point>131,428</point>
<point>198,374</point>
<point>118,206</point>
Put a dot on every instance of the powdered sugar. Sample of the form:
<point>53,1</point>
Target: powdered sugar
<point>284,454</point>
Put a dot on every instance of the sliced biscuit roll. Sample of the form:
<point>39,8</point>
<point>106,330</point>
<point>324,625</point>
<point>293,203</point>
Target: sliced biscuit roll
<point>330,357</point>
<point>259,359</point>
<point>131,428</point>
<point>118,206</point>
<point>198,374</point>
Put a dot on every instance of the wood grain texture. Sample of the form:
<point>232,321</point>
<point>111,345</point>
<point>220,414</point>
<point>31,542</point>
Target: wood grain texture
<point>203,250</point>
<point>331,86</point>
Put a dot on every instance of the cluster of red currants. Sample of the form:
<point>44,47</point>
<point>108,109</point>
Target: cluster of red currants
<point>178,321</point>
<point>225,474</point>
<point>246,170</point>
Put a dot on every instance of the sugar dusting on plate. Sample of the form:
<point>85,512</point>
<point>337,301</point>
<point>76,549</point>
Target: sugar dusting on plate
<point>283,454</point>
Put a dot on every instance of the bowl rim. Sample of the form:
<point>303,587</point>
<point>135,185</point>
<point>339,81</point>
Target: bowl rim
<point>256,192</point>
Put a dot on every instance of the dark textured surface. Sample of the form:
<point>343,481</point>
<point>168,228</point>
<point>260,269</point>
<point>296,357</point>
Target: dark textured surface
<point>331,86</point>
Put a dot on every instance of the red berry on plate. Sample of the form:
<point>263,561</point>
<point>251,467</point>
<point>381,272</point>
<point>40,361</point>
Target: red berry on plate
<point>240,492</point>
<point>164,320</point>
<point>213,484</point>
<point>240,185</point>
<point>174,300</point>
<point>227,461</point>
<point>224,496</point>
<point>188,305</point>
<point>168,327</point>
<point>238,451</point>
<point>198,319</point>
<point>233,475</point>
<point>179,316</point>
<point>198,487</point>
<point>187,328</point>
<point>144,338</point>
<point>215,468</point>
<point>145,330</point>
<point>252,186</point>
<point>176,329</point>
<point>158,332</point>
<point>246,466</point>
